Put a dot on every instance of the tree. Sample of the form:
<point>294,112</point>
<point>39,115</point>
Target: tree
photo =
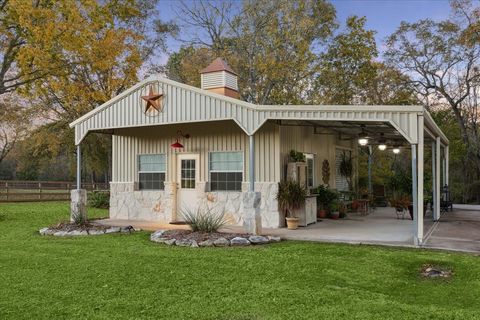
<point>14,122</point>
<point>347,65</point>
<point>442,59</point>
<point>100,48</point>
<point>271,44</point>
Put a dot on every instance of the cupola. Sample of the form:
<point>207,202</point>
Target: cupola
<point>219,77</point>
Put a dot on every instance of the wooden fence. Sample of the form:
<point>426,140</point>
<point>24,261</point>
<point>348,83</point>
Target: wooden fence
<point>18,191</point>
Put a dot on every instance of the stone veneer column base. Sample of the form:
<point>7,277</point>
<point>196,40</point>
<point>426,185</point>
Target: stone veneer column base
<point>252,220</point>
<point>126,203</point>
<point>78,205</point>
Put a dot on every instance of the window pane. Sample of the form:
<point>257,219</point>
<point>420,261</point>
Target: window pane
<point>226,171</point>
<point>151,181</point>
<point>152,162</point>
<point>226,161</point>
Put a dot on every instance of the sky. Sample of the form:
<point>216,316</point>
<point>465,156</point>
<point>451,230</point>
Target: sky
<point>384,16</point>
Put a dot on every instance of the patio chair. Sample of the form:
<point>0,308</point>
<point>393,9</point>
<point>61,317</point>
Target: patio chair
<point>445,202</point>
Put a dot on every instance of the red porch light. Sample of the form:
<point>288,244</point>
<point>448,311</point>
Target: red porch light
<point>177,144</point>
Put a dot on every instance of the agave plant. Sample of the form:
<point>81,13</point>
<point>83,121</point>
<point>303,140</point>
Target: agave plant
<point>204,219</point>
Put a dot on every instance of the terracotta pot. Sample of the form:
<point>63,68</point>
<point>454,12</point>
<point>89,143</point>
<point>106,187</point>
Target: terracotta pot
<point>334,215</point>
<point>321,213</point>
<point>292,223</point>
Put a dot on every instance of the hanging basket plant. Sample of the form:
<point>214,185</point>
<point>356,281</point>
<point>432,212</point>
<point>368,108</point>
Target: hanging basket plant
<point>326,172</point>
<point>346,168</point>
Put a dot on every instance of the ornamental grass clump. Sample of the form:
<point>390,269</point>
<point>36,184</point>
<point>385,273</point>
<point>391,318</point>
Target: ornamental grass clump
<point>204,219</point>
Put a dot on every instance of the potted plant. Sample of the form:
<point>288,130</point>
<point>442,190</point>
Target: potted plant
<point>291,196</point>
<point>334,213</point>
<point>297,156</point>
<point>325,197</point>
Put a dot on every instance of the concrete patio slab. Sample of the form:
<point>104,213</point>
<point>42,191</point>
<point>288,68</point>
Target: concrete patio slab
<point>458,230</point>
<point>379,227</point>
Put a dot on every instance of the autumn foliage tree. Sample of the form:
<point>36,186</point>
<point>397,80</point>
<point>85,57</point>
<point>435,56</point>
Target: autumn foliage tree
<point>86,52</point>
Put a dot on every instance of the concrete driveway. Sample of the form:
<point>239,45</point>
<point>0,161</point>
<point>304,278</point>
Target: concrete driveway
<point>458,230</point>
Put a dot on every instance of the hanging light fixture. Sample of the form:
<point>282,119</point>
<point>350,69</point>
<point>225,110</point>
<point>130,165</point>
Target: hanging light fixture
<point>177,144</point>
<point>362,137</point>
<point>382,143</point>
<point>396,150</point>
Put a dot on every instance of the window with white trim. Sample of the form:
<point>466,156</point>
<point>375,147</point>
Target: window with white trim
<point>226,171</point>
<point>151,171</point>
<point>310,169</point>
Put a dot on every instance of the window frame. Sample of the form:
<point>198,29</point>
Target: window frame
<point>229,171</point>
<point>140,171</point>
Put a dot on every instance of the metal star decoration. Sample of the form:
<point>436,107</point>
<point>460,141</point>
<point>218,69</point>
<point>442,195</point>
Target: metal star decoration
<point>154,100</point>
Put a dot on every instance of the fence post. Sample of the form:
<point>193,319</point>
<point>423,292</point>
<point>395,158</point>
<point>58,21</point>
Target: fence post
<point>39,191</point>
<point>6,188</point>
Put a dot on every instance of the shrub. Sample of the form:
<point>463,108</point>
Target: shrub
<point>291,195</point>
<point>99,199</point>
<point>204,220</point>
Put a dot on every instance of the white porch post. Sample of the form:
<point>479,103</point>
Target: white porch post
<point>414,191</point>
<point>446,164</point>
<point>79,167</point>
<point>251,162</point>
<point>434,179</point>
<point>420,165</point>
<point>78,196</point>
<point>252,221</point>
<point>437,189</point>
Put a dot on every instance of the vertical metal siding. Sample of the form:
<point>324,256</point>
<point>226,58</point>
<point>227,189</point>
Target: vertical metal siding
<point>205,138</point>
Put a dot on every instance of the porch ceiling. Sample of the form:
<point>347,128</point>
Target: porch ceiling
<point>351,129</point>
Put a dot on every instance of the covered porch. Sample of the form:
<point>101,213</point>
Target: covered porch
<point>409,128</point>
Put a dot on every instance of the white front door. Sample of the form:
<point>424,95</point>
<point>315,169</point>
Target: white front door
<point>187,176</point>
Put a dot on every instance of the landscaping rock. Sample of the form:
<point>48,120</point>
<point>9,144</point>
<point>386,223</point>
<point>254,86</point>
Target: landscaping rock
<point>127,229</point>
<point>274,239</point>
<point>60,233</point>
<point>157,235</point>
<point>239,241</point>
<point>77,233</point>
<point>184,243</point>
<point>258,239</point>
<point>194,244</point>
<point>221,242</point>
<point>113,230</point>
<point>170,242</point>
<point>206,243</point>
<point>44,231</point>
<point>94,232</point>
<point>160,240</point>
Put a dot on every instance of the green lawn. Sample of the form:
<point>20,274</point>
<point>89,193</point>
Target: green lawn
<point>127,276</point>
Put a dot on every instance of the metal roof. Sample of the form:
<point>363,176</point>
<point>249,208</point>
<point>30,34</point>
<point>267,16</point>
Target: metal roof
<point>185,104</point>
<point>218,65</point>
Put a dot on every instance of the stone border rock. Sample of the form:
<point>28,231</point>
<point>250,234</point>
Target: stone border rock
<point>88,231</point>
<point>159,236</point>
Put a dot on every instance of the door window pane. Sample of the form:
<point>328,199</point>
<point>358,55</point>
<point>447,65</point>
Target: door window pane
<point>188,172</point>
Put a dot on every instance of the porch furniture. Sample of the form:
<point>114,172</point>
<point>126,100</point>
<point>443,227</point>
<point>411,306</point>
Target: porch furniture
<point>346,197</point>
<point>308,214</point>
<point>445,202</point>
<point>363,206</point>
